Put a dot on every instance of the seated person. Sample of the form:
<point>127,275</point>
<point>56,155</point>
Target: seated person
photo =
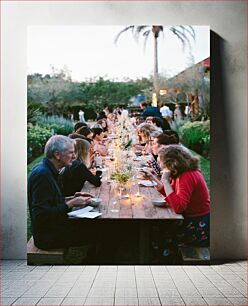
<point>76,135</point>
<point>86,132</point>
<point>149,120</point>
<point>78,125</point>
<point>144,131</point>
<point>74,176</point>
<point>139,120</point>
<point>161,123</point>
<point>102,123</point>
<point>166,138</point>
<point>186,192</point>
<point>47,206</point>
<point>99,146</point>
<point>102,115</point>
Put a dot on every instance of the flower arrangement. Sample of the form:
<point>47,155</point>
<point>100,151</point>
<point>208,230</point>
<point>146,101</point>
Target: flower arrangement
<point>121,176</point>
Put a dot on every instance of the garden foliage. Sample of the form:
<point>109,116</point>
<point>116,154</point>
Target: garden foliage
<point>58,124</point>
<point>37,137</point>
<point>44,128</point>
<point>195,135</point>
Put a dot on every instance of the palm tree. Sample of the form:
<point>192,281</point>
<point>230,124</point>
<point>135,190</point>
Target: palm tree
<point>181,32</point>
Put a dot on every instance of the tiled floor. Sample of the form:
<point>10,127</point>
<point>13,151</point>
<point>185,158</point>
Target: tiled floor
<point>123,285</point>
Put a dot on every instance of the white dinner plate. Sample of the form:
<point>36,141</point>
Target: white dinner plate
<point>159,202</point>
<point>147,183</point>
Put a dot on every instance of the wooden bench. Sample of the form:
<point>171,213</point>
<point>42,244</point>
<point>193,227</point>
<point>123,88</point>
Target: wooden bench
<point>72,255</point>
<point>195,255</point>
<point>36,256</point>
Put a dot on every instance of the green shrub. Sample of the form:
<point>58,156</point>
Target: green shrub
<point>58,125</point>
<point>37,138</point>
<point>206,143</point>
<point>196,136</point>
<point>176,125</point>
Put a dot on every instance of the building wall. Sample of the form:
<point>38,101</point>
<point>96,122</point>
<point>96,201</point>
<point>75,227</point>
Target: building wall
<point>227,20</point>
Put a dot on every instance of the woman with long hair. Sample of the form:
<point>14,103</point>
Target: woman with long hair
<point>186,192</point>
<point>86,132</point>
<point>73,177</point>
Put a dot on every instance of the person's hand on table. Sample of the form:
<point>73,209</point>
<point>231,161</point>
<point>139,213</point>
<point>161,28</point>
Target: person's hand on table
<point>83,194</point>
<point>78,201</point>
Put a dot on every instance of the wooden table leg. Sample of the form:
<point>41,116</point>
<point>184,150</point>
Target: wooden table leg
<point>144,242</point>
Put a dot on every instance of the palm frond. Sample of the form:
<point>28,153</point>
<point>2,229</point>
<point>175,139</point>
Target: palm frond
<point>181,35</point>
<point>138,30</point>
<point>122,31</point>
<point>146,35</point>
<point>189,30</point>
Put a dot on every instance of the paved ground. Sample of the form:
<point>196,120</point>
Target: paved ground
<point>123,285</point>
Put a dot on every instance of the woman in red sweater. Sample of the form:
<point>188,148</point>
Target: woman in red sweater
<point>185,190</point>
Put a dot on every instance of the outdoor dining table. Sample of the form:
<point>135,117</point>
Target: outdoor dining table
<point>133,207</point>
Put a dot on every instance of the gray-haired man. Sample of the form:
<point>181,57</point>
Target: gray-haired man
<point>48,208</point>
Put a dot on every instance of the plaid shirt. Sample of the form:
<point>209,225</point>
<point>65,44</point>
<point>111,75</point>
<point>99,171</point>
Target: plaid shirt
<point>154,165</point>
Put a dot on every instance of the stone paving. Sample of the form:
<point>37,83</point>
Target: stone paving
<point>224,284</point>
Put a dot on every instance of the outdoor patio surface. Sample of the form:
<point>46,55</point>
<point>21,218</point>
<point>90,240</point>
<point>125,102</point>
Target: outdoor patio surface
<point>224,284</point>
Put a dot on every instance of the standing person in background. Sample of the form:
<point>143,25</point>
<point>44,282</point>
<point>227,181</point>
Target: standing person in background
<point>81,116</point>
<point>149,110</point>
<point>166,113</point>
<point>177,113</point>
<point>124,113</point>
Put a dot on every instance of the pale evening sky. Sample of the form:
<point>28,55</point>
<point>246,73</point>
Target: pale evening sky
<point>90,51</point>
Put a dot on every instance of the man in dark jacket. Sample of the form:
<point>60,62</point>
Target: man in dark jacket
<point>48,208</point>
<point>149,110</point>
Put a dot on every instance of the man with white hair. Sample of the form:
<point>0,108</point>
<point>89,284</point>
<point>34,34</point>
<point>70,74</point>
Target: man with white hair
<point>48,207</point>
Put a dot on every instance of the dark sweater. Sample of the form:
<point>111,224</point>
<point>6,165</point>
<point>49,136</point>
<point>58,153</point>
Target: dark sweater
<point>73,178</point>
<point>47,206</point>
<point>151,111</point>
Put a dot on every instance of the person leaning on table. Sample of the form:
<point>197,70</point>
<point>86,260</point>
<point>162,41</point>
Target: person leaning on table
<point>186,192</point>
<point>48,208</point>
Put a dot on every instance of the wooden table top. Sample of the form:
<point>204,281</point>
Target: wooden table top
<point>133,207</point>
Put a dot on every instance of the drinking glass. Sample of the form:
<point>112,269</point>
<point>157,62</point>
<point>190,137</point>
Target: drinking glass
<point>114,202</point>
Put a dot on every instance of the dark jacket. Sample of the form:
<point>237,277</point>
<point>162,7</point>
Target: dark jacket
<point>151,111</point>
<point>47,206</point>
<point>73,178</point>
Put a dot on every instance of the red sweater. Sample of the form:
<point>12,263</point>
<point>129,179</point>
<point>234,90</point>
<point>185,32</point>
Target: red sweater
<point>190,196</point>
